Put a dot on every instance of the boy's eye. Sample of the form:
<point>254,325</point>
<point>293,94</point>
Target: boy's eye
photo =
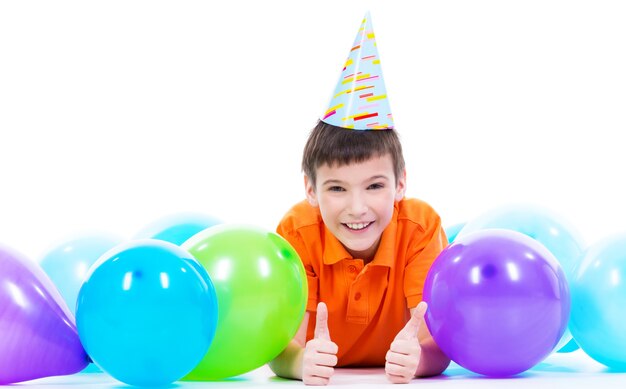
<point>335,189</point>
<point>376,186</point>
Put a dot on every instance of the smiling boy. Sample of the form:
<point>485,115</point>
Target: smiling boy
<point>365,247</point>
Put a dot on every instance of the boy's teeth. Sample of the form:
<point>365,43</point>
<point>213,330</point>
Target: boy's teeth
<point>357,226</point>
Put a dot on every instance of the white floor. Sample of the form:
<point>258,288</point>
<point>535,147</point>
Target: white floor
<point>573,370</point>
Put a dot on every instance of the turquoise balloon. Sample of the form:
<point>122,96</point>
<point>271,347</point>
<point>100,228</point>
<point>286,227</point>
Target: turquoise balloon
<point>543,225</point>
<point>598,320</point>
<point>68,262</point>
<point>147,312</point>
<point>453,231</point>
<point>570,346</point>
<point>177,228</point>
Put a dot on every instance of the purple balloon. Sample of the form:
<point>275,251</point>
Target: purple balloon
<point>38,336</point>
<point>498,302</point>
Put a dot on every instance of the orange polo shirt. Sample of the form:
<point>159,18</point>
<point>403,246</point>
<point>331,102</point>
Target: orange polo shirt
<point>367,305</point>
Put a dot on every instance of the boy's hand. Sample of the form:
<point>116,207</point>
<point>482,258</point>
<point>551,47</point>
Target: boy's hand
<point>320,353</point>
<point>404,354</point>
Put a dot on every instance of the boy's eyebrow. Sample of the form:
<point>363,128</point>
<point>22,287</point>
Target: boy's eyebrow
<point>378,177</point>
<point>372,178</point>
<point>332,181</point>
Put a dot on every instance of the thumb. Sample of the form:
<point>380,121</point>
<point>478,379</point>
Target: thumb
<point>413,325</point>
<point>321,323</point>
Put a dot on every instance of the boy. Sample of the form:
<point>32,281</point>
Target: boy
<point>365,248</point>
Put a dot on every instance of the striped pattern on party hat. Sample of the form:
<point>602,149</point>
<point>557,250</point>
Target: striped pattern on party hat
<point>360,99</point>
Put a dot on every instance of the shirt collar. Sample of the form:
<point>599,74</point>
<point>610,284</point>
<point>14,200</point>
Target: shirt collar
<point>335,252</point>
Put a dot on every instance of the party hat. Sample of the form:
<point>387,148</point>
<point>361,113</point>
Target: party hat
<point>360,98</point>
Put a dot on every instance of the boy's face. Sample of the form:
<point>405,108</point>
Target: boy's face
<point>356,202</point>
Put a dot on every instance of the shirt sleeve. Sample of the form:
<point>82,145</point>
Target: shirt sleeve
<point>312,280</point>
<point>429,243</point>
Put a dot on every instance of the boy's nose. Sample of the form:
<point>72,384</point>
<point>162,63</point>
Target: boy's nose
<point>358,205</point>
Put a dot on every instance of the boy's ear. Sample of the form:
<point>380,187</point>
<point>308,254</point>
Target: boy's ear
<point>401,186</point>
<point>309,190</point>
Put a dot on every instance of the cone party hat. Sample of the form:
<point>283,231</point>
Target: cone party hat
<point>360,98</point>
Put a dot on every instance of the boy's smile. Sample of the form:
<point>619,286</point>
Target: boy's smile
<point>358,226</point>
<point>356,202</point>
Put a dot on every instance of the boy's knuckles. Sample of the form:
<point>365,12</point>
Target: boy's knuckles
<point>399,379</point>
<point>328,360</point>
<point>315,358</point>
<point>405,347</point>
<point>400,346</point>
<point>324,371</point>
<point>392,357</point>
<point>401,364</point>
<point>322,346</point>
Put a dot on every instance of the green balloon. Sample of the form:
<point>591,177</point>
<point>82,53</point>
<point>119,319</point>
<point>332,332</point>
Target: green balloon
<point>261,291</point>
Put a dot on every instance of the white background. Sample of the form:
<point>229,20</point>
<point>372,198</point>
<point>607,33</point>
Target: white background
<point>116,113</point>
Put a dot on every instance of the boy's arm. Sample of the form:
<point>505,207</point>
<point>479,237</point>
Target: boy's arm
<point>314,362</point>
<point>413,352</point>
<point>288,364</point>
<point>432,360</point>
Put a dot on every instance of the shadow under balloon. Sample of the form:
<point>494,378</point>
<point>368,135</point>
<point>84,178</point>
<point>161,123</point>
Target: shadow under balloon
<point>168,386</point>
<point>457,372</point>
<point>228,379</point>
<point>545,367</point>
<point>276,379</point>
<point>553,368</point>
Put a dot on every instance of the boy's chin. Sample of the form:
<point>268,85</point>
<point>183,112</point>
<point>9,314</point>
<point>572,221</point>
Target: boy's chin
<point>358,251</point>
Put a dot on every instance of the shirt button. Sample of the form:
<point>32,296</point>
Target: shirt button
<point>352,268</point>
<point>357,296</point>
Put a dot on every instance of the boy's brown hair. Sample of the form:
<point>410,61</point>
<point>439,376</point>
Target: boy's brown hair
<point>336,146</point>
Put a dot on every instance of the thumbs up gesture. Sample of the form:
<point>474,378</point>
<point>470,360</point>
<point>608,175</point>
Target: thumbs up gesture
<point>320,354</point>
<point>404,354</point>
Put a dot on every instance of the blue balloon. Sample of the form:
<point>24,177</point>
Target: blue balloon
<point>570,346</point>
<point>543,225</point>
<point>453,231</point>
<point>67,263</point>
<point>147,312</point>
<point>599,302</point>
<point>177,228</point>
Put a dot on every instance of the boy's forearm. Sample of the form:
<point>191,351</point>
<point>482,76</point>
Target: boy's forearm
<point>432,360</point>
<point>288,364</point>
